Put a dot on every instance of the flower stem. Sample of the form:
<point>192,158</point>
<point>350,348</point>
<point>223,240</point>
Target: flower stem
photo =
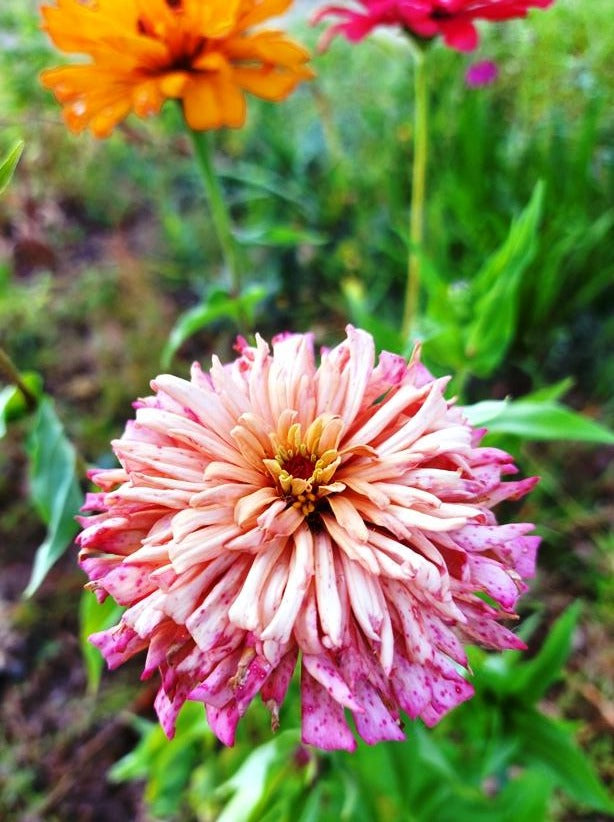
<point>418,187</point>
<point>8,369</point>
<point>219,212</point>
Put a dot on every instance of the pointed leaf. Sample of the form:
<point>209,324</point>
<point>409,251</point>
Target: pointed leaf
<point>12,403</point>
<point>248,784</point>
<point>551,392</point>
<point>218,306</point>
<point>495,291</point>
<point>526,798</point>
<point>537,421</point>
<point>546,745</point>
<point>533,678</point>
<point>53,488</point>
<point>95,616</point>
<point>282,236</point>
<point>9,164</point>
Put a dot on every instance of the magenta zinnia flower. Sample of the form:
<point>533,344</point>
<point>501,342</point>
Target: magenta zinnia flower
<point>275,507</point>
<point>454,20</point>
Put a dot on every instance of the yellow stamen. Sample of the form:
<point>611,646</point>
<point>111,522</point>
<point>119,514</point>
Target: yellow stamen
<point>304,465</point>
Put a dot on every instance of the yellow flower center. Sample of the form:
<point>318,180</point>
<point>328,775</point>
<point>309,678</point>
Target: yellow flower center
<point>304,465</point>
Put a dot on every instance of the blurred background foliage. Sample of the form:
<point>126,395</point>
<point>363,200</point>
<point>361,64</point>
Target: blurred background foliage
<point>106,247</point>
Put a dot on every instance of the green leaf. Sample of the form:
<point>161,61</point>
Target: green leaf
<point>537,421</point>
<point>533,678</point>
<point>551,392</point>
<point>9,164</point>
<point>495,291</point>
<point>525,798</point>
<point>379,779</point>
<point>12,403</point>
<point>363,315</point>
<point>53,489</point>
<point>548,746</point>
<point>7,395</point>
<point>167,782</point>
<point>266,182</point>
<point>249,783</point>
<point>281,236</point>
<point>166,765</point>
<point>218,306</point>
<point>95,616</point>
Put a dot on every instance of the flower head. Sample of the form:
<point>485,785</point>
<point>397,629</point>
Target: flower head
<point>454,20</point>
<point>145,51</point>
<point>482,73</point>
<point>275,507</point>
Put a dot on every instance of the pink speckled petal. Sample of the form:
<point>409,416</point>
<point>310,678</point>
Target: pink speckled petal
<point>117,644</point>
<point>274,507</point>
<point>329,676</point>
<point>376,723</point>
<point>223,722</point>
<point>411,685</point>
<point>323,721</point>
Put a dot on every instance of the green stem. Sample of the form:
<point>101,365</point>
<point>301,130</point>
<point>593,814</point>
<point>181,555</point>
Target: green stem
<point>219,212</point>
<point>8,369</point>
<point>418,188</point>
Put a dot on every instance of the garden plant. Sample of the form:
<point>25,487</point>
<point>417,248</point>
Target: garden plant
<point>304,410</point>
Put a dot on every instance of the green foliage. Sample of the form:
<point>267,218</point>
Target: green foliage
<point>9,164</point>
<point>166,765</point>
<point>13,405</point>
<point>537,420</point>
<point>496,757</point>
<point>95,616</point>
<point>254,789</point>
<point>323,212</point>
<point>54,489</point>
<point>218,306</point>
<point>474,324</point>
<point>548,746</point>
<point>362,310</point>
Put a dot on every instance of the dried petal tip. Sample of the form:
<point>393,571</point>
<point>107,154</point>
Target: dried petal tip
<point>340,510</point>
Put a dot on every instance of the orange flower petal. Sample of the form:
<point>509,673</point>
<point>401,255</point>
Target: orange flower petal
<point>172,85</point>
<point>269,47</point>
<point>144,51</point>
<point>267,83</point>
<point>213,102</point>
<point>263,11</point>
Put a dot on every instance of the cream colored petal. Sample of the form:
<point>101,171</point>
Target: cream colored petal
<point>348,517</point>
<point>299,576</point>
<point>249,507</point>
<point>330,608</point>
<point>244,612</point>
<point>352,548</point>
<point>365,598</point>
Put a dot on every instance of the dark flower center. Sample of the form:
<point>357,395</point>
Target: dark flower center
<point>299,466</point>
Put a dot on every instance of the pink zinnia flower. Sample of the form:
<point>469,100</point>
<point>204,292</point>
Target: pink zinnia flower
<point>275,507</point>
<point>454,20</point>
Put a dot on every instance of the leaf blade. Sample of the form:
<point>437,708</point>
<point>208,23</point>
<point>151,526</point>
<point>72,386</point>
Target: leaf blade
<point>54,489</point>
<point>547,745</point>
<point>9,164</point>
<point>537,421</point>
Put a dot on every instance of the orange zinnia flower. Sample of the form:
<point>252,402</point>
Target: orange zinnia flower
<point>145,51</point>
